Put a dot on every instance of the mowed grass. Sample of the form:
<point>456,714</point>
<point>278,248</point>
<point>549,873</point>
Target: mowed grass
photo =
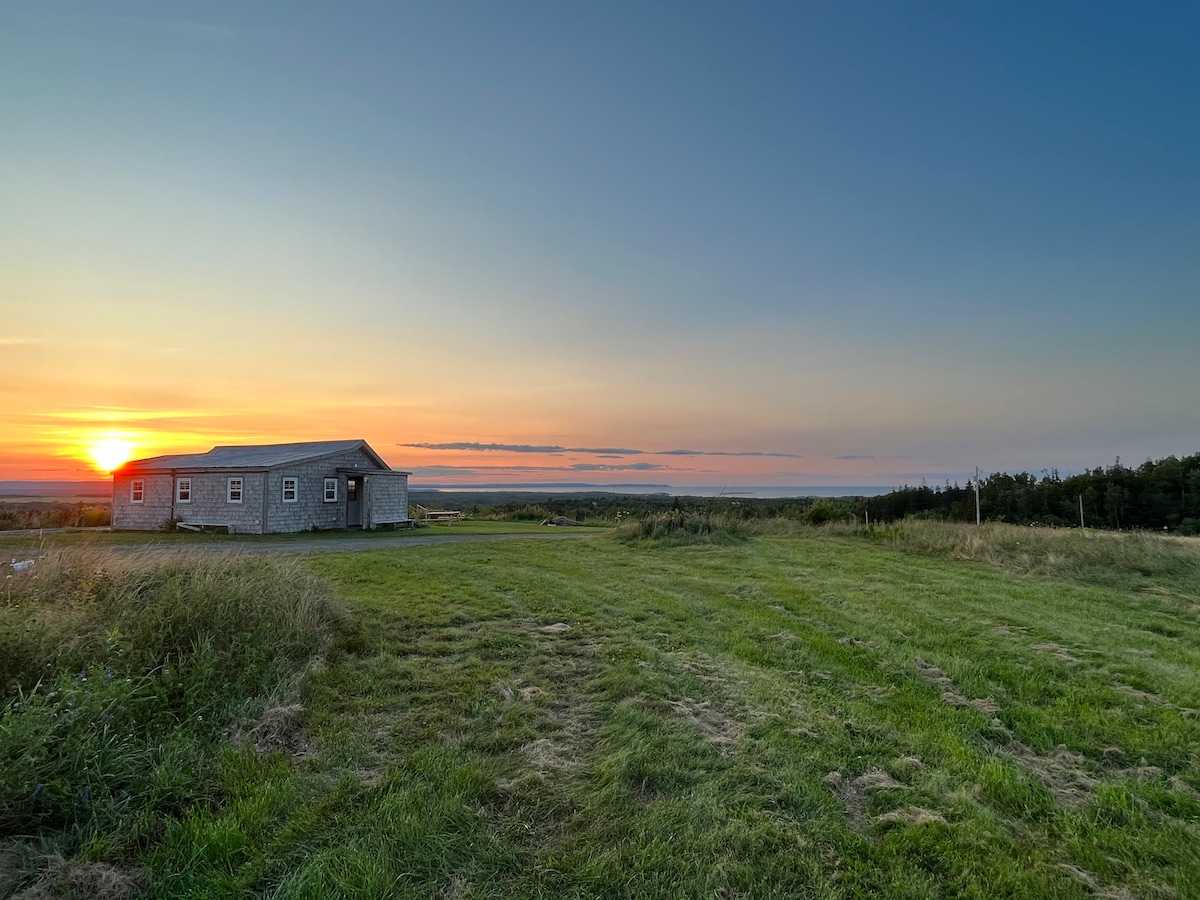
<point>782,718</point>
<point>799,716</point>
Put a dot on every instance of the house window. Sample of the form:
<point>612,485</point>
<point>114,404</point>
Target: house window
<point>330,490</point>
<point>137,490</point>
<point>235,490</point>
<point>183,490</point>
<point>290,490</point>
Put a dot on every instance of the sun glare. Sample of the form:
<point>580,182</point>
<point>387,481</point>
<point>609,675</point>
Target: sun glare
<point>109,454</point>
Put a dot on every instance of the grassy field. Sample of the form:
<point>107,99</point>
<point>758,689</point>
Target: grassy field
<point>919,711</point>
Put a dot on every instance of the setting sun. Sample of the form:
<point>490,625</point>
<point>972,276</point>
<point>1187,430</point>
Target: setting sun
<point>110,453</point>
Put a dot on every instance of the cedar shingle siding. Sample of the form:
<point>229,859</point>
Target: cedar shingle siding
<point>382,497</point>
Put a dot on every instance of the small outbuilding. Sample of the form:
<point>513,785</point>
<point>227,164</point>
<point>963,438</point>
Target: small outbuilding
<point>264,489</point>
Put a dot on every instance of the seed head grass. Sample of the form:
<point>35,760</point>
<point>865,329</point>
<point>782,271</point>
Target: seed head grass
<point>123,675</point>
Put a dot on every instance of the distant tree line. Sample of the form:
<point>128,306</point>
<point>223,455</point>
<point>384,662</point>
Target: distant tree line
<point>1156,495</point>
<point>49,514</point>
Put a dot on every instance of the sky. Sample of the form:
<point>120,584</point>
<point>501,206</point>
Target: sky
<point>789,244</point>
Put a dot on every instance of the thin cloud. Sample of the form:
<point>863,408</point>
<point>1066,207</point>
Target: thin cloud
<point>438,471</point>
<point>726,453</point>
<point>525,448</point>
<point>629,467</point>
<point>186,28</point>
<point>577,467</point>
<point>121,414</point>
<point>20,341</point>
<point>473,446</point>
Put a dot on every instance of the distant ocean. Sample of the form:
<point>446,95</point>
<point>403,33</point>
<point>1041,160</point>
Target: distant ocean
<point>758,491</point>
<point>103,489</point>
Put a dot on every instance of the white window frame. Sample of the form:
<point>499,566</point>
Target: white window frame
<point>182,486</point>
<point>137,490</point>
<point>294,489</point>
<point>331,490</point>
<point>230,490</point>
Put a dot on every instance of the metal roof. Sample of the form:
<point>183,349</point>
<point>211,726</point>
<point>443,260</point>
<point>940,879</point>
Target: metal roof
<point>263,456</point>
<point>348,470</point>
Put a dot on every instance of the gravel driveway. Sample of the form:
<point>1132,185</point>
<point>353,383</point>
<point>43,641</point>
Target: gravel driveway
<point>317,544</point>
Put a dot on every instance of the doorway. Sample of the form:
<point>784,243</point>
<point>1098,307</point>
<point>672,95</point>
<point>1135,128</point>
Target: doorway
<point>354,502</point>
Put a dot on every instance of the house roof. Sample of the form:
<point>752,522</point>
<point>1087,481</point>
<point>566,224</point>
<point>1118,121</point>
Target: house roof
<point>262,456</point>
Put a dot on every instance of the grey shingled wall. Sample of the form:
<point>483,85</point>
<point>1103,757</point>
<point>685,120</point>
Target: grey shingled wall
<point>149,515</point>
<point>210,501</point>
<point>388,499</point>
<point>310,509</point>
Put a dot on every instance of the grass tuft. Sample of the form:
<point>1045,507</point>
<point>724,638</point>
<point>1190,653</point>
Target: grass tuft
<point>678,528</point>
<point>123,675</point>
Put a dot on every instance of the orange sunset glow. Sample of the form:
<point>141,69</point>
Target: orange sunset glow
<point>651,274</point>
<point>109,453</point>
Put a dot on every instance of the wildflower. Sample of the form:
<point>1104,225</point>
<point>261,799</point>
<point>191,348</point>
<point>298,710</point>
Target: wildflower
<point>108,674</point>
<point>37,790</point>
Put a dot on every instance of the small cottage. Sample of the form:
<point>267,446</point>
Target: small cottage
<point>263,489</point>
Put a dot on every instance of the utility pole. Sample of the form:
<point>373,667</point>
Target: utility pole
<point>1081,525</point>
<point>977,495</point>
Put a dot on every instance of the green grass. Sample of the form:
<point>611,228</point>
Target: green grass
<point>830,714</point>
<point>123,679</point>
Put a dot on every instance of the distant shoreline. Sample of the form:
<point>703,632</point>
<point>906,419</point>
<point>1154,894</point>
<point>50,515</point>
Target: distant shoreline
<point>102,489</point>
<point>734,492</point>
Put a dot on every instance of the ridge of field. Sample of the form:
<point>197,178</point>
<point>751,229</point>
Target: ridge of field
<point>821,715</point>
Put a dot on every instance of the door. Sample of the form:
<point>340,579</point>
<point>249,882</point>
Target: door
<point>354,503</point>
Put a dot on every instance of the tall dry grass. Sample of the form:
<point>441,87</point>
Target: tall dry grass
<point>122,675</point>
<point>1140,560</point>
<point>1115,559</point>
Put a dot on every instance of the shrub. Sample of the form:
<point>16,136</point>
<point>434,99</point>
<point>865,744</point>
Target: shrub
<point>679,527</point>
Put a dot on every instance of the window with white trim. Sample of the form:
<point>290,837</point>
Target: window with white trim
<point>291,490</point>
<point>137,490</point>
<point>331,490</point>
<point>183,490</point>
<point>234,493</point>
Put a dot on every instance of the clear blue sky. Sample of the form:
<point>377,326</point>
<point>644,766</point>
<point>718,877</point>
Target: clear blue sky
<point>879,241</point>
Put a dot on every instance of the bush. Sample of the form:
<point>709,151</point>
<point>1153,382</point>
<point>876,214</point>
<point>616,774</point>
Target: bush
<point>679,527</point>
<point>528,513</point>
<point>822,512</point>
<point>50,514</point>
